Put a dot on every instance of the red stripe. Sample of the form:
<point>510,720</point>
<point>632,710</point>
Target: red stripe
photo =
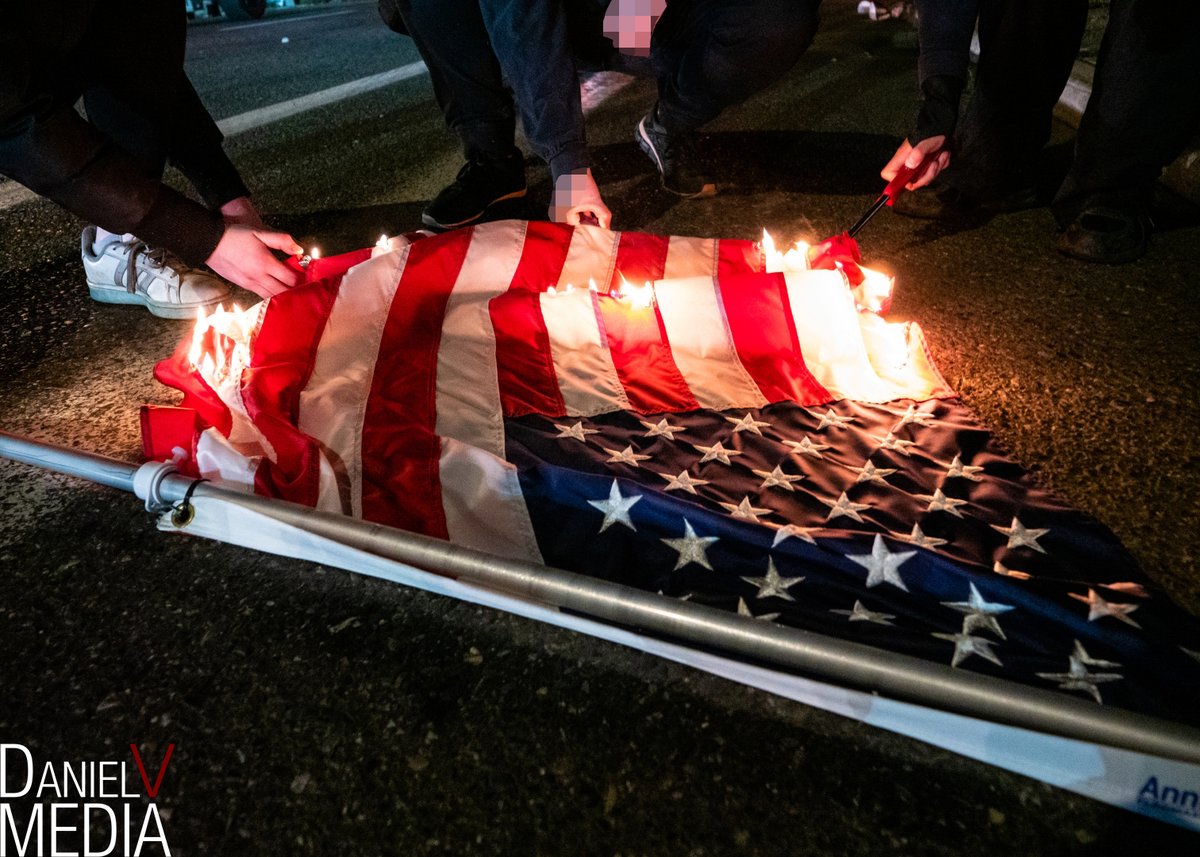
<point>642,357</point>
<point>764,334</point>
<point>640,258</point>
<point>177,371</point>
<point>285,349</point>
<point>737,256</point>
<point>524,365</point>
<point>542,256</point>
<point>401,486</point>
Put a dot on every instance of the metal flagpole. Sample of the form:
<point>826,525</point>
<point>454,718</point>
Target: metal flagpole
<point>850,664</point>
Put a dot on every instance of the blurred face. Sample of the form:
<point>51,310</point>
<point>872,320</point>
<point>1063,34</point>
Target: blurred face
<point>629,24</point>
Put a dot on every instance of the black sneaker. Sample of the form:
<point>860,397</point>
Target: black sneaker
<point>481,183</point>
<point>676,159</point>
<point>948,203</point>
<point>1107,234</point>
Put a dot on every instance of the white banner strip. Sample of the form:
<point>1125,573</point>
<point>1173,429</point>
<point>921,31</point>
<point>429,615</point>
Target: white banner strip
<point>1155,787</point>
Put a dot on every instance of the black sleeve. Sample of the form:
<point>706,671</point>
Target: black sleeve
<point>195,148</point>
<point>58,155</point>
<point>944,30</point>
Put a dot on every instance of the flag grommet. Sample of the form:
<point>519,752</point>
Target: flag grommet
<point>183,512</point>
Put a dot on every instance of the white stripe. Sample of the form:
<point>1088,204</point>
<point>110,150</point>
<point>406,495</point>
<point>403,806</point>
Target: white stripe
<point>334,403</point>
<point>702,344</point>
<point>218,461</point>
<point>468,392</point>
<point>831,338</point>
<point>592,254</point>
<point>274,112</point>
<point>583,364</point>
<point>283,19</point>
<point>483,504</point>
<point>690,257</point>
<point>897,352</point>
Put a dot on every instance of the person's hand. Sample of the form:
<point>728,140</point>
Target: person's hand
<point>244,257</point>
<point>242,212</point>
<point>911,157</point>
<point>577,200</point>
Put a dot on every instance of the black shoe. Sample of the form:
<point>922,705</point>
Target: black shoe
<point>1106,234</point>
<point>948,203</point>
<point>481,183</point>
<point>676,159</point>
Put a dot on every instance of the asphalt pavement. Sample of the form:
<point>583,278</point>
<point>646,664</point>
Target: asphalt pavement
<point>315,712</point>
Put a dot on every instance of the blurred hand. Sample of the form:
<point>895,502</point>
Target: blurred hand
<point>911,156</point>
<point>243,212</point>
<point>577,200</point>
<point>244,257</point>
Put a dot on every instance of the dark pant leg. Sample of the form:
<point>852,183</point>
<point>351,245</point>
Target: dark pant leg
<point>714,54</point>
<point>530,41</point>
<point>1026,51</point>
<point>1144,107</point>
<point>467,81</point>
<point>139,96</point>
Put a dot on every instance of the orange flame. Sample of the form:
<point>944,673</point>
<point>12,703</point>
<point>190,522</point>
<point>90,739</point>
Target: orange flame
<point>221,342</point>
<point>873,294</point>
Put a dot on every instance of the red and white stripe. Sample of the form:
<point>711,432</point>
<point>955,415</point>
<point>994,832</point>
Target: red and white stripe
<point>383,392</point>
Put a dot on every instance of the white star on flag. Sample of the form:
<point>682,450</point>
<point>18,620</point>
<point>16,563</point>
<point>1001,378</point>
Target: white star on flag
<point>575,432</point>
<point>844,506</point>
<point>777,479</point>
<point>1127,587</point>
<point>806,447</point>
<point>939,502</point>
<point>893,443</point>
<point>862,614</point>
<point>1001,568</point>
<point>773,586</point>
<point>744,610</point>
<point>918,538</point>
<point>692,548</point>
<point>958,470</point>
<point>1098,608</point>
<point>717,452</point>
<point>616,508</point>
<point>625,456</point>
<point>870,473</point>
<point>914,417</point>
<point>682,482</point>
<point>788,531</point>
<point>662,428</point>
<point>744,511</point>
<point>747,423</point>
<point>1021,536</point>
<point>1078,677</point>
<point>881,564</point>
<point>979,613</point>
<point>832,419</point>
<point>965,645</point>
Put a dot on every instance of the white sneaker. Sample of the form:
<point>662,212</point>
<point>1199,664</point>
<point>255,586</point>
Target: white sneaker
<point>126,271</point>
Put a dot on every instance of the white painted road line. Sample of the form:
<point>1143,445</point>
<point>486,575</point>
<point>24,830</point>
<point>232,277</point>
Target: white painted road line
<point>252,119</point>
<point>284,19</point>
<point>596,89</point>
<point>12,194</point>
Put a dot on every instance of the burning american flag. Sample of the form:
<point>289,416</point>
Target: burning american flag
<point>709,419</point>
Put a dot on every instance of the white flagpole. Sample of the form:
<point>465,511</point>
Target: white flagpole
<point>867,668</point>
